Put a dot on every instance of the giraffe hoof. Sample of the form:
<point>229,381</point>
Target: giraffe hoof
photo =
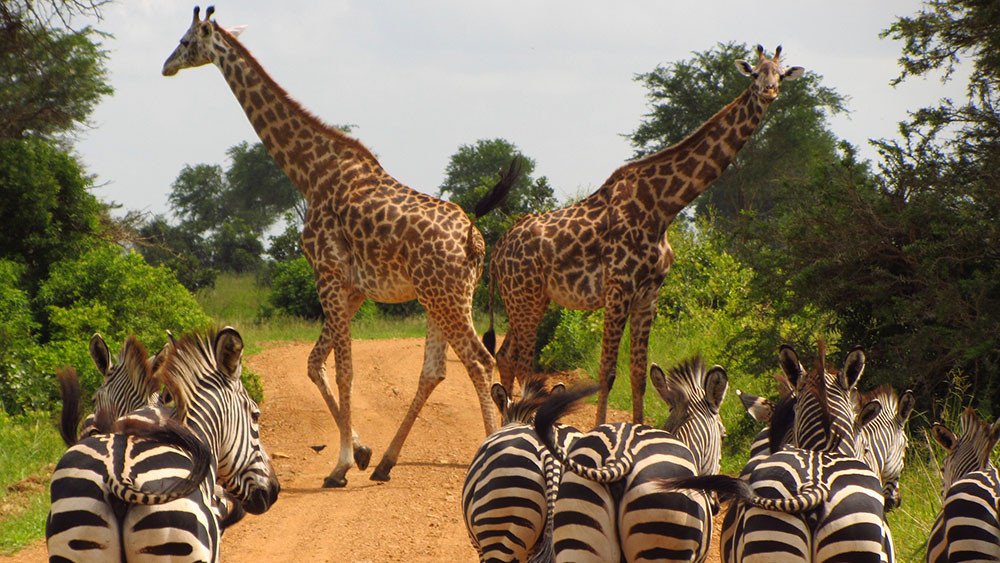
<point>362,456</point>
<point>381,472</point>
<point>334,483</point>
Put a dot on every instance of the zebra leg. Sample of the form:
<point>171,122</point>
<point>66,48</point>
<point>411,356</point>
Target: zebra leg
<point>339,305</point>
<point>615,313</point>
<point>432,373</point>
<point>641,322</point>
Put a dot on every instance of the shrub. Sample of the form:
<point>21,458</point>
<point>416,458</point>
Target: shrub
<point>576,336</point>
<point>17,345</point>
<point>116,293</point>
<point>293,289</point>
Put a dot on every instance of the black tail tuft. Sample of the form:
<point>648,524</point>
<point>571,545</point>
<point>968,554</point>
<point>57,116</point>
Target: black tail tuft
<point>555,407</point>
<point>725,486</point>
<point>69,389</point>
<point>490,341</point>
<point>499,191</point>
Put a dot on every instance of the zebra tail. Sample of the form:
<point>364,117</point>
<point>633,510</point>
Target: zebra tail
<point>560,404</point>
<point>166,431</point>
<point>809,496</point>
<point>69,390</point>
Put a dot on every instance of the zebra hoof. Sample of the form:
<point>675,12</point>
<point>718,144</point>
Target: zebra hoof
<point>381,472</point>
<point>362,456</point>
<point>332,482</point>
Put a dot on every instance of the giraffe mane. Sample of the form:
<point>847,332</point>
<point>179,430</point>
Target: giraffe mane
<point>328,130</point>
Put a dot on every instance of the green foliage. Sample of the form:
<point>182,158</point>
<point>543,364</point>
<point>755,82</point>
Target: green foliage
<point>17,344</point>
<point>286,245</point>
<point>793,135</point>
<point>196,197</point>
<point>236,247</point>
<point>257,191</point>
<point>113,292</point>
<point>179,248</point>
<point>576,336</point>
<point>293,289</point>
<point>45,206</point>
<point>50,79</point>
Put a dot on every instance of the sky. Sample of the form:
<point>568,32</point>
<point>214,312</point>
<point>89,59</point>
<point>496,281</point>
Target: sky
<point>419,79</point>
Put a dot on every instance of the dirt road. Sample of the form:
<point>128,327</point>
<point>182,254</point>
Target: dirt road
<point>414,517</point>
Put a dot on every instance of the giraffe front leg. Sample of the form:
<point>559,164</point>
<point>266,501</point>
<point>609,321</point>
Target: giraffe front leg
<point>641,322</point>
<point>432,373</point>
<point>615,313</point>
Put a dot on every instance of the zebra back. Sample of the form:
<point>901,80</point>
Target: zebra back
<point>968,526</point>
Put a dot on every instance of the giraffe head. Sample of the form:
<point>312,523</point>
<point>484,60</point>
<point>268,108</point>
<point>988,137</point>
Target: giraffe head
<point>198,44</point>
<point>768,74</point>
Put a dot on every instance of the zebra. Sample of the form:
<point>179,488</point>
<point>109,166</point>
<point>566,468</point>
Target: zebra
<point>509,490</point>
<point>816,501</point>
<point>121,496</point>
<point>968,526</point>
<point>609,507</point>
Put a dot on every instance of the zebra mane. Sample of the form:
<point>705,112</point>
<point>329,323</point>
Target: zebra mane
<point>189,360</point>
<point>134,359</point>
<point>686,382</point>
<point>522,411</point>
<point>978,436</point>
<point>782,420</point>
<point>884,394</point>
<point>814,384</point>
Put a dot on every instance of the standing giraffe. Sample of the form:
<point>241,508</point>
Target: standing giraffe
<point>610,250</point>
<point>365,235</point>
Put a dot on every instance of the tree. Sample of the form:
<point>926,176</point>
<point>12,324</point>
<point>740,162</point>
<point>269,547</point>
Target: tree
<point>45,206</point>
<point>257,190</point>
<point>196,197</point>
<point>50,80</point>
<point>793,136</point>
<point>179,248</point>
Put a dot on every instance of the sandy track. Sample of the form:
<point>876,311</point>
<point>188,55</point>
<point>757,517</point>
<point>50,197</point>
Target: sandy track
<point>414,517</point>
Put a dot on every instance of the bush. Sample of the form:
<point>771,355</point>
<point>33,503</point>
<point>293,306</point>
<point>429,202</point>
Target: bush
<point>293,292</point>
<point>17,345</point>
<point>576,336</point>
<point>116,293</point>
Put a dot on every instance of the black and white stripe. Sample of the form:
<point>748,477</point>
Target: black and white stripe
<point>101,487</point>
<point>511,483</point>
<point>816,501</point>
<point>968,526</point>
<point>609,506</point>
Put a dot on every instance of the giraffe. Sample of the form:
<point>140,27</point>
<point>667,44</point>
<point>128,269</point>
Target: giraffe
<point>610,250</point>
<point>365,235</point>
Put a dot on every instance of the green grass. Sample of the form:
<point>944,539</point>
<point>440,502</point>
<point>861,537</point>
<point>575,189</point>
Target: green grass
<point>29,444</point>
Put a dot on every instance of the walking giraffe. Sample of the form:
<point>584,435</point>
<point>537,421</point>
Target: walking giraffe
<point>365,235</point>
<point>610,250</point>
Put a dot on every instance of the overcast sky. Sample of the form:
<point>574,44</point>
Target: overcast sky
<point>420,78</point>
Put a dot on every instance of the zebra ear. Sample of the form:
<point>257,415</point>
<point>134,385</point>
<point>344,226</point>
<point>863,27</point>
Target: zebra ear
<point>906,404</point>
<point>716,384</point>
<point>869,412</point>
<point>500,397</point>
<point>759,408</point>
<point>100,353</point>
<point>790,364</point>
<point>854,366</point>
<point>943,436</point>
<point>659,380</point>
<point>557,388</point>
<point>229,351</point>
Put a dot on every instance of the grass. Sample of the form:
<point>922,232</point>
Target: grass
<point>30,444</point>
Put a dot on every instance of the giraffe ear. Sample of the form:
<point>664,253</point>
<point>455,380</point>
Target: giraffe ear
<point>793,73</point>
<point>745,68</point>
<point>237,30</point>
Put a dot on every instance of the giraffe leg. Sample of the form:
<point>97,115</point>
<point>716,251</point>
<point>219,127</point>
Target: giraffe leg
<point>517,354</point>
<point>615,313</point>
<point>641,322</point>
<point>432,373</point>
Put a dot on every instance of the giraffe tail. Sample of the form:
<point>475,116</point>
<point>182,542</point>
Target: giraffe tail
<point>809,496</point>
<point>490,337</point>
<point>498,193</point>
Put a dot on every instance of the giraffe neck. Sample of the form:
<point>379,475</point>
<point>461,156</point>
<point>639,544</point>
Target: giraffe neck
<point>673,177</point>
<point>305,148</point>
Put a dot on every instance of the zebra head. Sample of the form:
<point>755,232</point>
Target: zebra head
<point>827,417</point>
<point>694,397</point>
<point>129,383</point>
<point>202,376</point>
<point>533,394</point>
<point>884,439</point>
<point>970,452</point>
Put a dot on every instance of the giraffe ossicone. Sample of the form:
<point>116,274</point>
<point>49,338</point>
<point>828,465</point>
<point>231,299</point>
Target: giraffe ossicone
<point>366,235</point>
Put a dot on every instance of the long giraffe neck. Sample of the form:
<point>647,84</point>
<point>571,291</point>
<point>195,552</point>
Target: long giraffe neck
<point>307,150</point>
<point>673,177</point>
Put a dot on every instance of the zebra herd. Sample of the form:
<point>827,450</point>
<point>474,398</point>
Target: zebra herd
<point>821,477</point>
<point>151,476</point>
